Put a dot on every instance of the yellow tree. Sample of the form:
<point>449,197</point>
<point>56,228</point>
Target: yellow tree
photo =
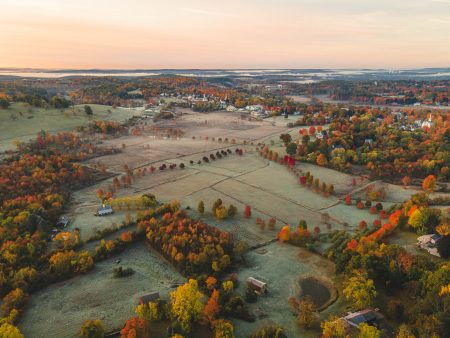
<point>92,329</point>
<point>368,331</point>
<point>221,212</point>
<point>307,313</point>
<point>187,304</point>
<point>67,239</point>
<point>359,290</point>
<point>223,329</point>
<point>333,328</point>
<point>403,332</point>
<point>8,330</point>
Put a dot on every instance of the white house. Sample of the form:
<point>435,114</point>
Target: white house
<point>428,123</point>
<point>254,107</point>
<point>428,243</point>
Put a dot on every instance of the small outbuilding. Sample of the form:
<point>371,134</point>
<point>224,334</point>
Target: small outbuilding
<point>151,297</point>
<point>257,285</point>
<point>104,210</point>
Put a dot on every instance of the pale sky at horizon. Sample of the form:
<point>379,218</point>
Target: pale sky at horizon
<point>130,34</point>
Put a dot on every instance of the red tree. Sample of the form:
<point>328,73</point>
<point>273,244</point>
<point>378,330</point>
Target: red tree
<point>247,211</point>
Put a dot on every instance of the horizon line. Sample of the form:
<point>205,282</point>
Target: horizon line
<point>221,69</point>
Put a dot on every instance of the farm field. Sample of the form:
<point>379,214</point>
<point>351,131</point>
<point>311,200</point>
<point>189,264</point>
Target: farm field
<point>21,122</point>
<point>271,189</point>
<point>281,266</point>
<point>64,306</point>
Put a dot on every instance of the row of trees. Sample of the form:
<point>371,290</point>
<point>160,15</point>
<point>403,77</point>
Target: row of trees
<point>218,210</point>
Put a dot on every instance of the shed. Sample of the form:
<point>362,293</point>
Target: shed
<point>257,285</point>
<point>104,210</point>
<point>151,297</point>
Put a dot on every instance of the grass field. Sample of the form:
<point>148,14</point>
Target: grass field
<point>281,266</point>
<point>21,122</point>
<point>60,309</point>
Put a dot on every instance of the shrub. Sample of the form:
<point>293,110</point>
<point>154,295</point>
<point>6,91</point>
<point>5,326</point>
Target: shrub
<point>232,210</point>
<point>119,272</point>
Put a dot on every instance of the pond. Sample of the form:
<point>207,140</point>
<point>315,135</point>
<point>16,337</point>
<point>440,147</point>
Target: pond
<point>321,292</point>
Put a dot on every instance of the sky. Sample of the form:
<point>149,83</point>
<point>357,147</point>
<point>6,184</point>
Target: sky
<point>149,34</point>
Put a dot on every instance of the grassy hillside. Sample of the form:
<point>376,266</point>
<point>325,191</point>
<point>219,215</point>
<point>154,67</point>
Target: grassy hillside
<point>21,122</point>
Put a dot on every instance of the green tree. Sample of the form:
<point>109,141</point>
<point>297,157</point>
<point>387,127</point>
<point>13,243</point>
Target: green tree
<point>88,110</point>
<point>286,138</point>
<point>201,207</point>
<point>232,210</point>
<point>291,148</point>
<point>443,247</point>
<point>302,224</point>
<point>4,103</point>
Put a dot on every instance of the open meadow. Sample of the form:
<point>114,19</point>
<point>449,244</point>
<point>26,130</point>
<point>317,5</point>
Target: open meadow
<point>21,122</point>
<point>66,305</point>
